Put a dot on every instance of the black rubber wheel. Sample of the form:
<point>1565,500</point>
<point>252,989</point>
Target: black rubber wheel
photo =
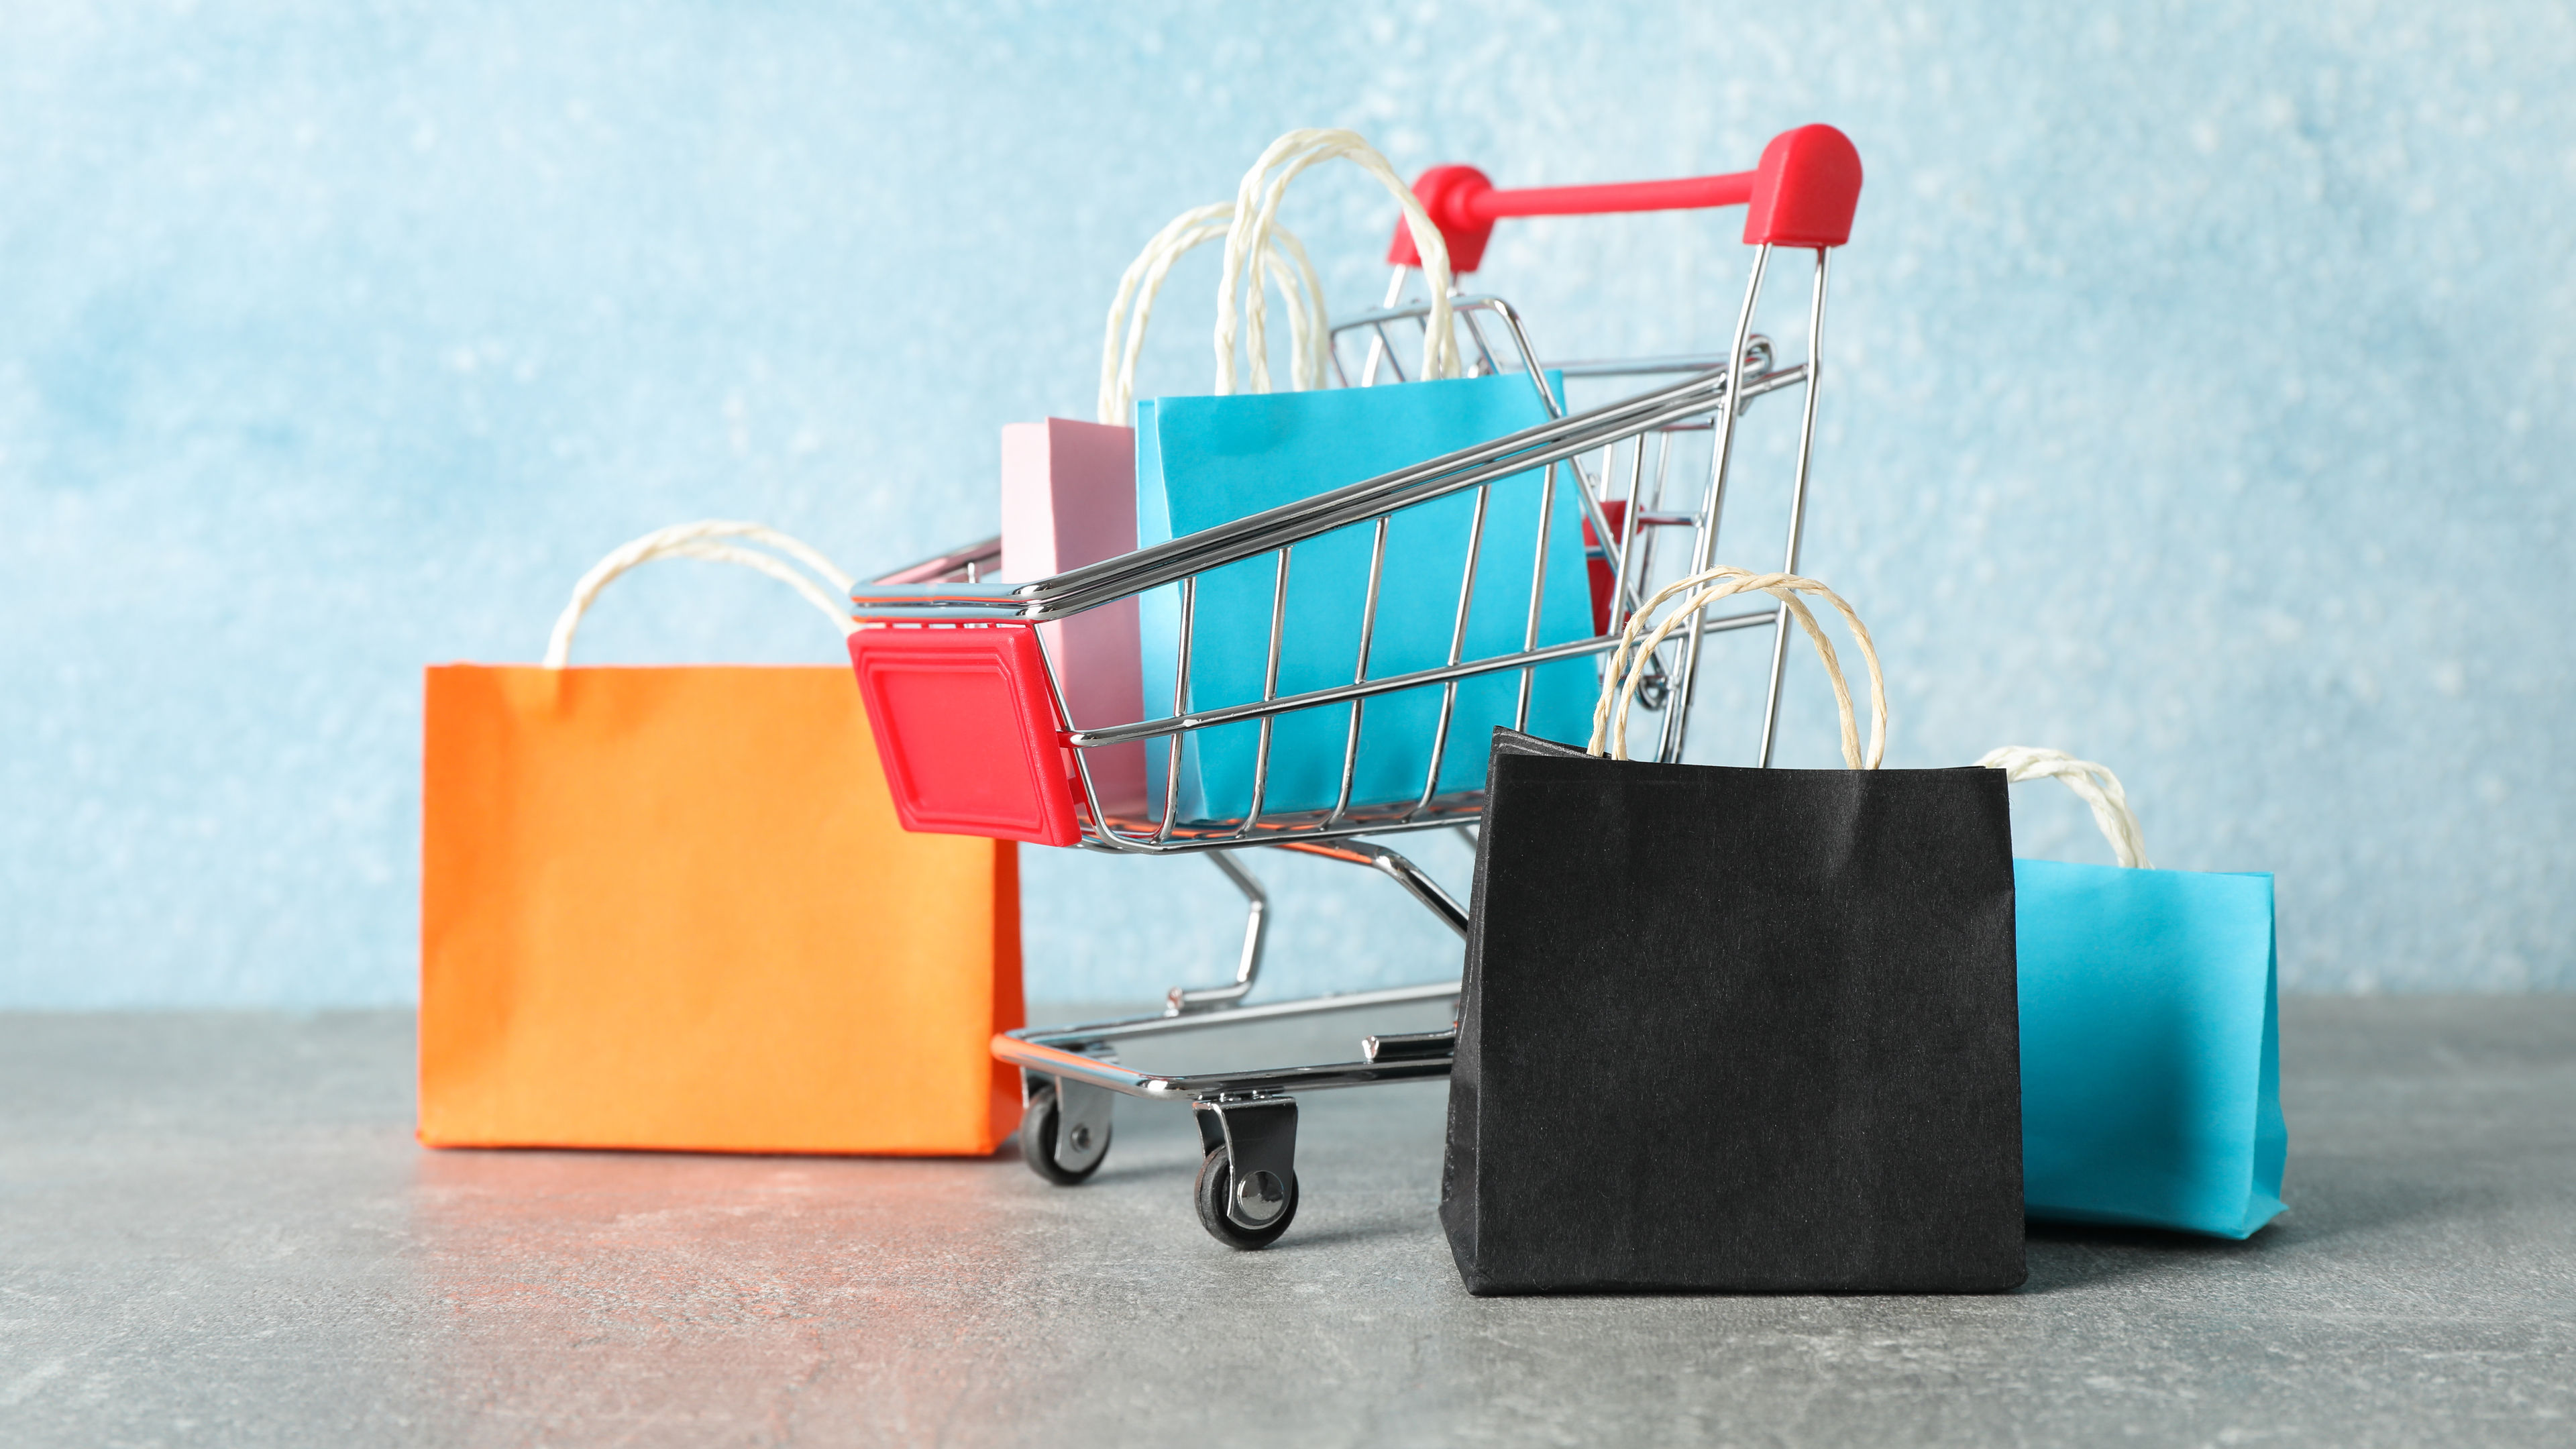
<point>1037,1141</point>
<point>1215,1186</point>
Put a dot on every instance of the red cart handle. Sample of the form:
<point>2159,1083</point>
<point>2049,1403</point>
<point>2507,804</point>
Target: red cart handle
<point>1801,195</point>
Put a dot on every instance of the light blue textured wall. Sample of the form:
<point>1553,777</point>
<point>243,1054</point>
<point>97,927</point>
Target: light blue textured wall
<point>2201,406</point>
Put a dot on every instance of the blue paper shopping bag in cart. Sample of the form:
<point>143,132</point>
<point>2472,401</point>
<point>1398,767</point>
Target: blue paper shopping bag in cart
<point>1202,462</point>
<point>2150,1037</point>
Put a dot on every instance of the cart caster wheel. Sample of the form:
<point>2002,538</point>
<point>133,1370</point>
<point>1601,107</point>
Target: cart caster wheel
<point>1216,1188</point>
<point>1037,1141</point>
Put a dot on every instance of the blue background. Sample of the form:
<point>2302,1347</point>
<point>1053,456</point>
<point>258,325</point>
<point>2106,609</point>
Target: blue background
<point>2200,408</point>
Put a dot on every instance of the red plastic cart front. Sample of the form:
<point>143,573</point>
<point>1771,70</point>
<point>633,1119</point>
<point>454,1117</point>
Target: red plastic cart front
<point>966,727</point>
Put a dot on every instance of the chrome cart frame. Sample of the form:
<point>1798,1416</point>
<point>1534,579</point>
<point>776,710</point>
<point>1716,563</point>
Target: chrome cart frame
<point>1247,1119</point>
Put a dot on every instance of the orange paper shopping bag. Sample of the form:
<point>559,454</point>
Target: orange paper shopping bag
<point>672,908</point>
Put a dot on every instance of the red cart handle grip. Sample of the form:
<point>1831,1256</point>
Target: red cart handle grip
<point>1801,195</point>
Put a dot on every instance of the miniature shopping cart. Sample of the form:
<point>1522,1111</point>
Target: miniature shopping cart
<point>968,704</point>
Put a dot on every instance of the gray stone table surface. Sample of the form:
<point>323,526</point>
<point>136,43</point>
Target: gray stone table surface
<point>216,1229</point>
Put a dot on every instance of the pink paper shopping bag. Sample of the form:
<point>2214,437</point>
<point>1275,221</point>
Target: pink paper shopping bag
<point>1069,499</point>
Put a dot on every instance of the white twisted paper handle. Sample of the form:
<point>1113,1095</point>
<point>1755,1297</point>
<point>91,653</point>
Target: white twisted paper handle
<point>2093,783</point>
<point>1256,208</point>
<point>1627,668</point>
<point>1309,336</point>
<point>703,540</point>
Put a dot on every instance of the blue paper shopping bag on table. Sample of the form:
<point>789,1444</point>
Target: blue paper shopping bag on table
<point>2150,1036</point>
<point>1203,461</point>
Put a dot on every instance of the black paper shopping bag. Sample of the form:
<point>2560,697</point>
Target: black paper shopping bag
<point>1737,1029</point>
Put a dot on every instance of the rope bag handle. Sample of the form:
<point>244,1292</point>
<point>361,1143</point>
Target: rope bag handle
<point>1627,668</point>
<point>2094,784</point>
<point>1256,210</point>
<point>704,540</point>
<point>1309,337</point>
